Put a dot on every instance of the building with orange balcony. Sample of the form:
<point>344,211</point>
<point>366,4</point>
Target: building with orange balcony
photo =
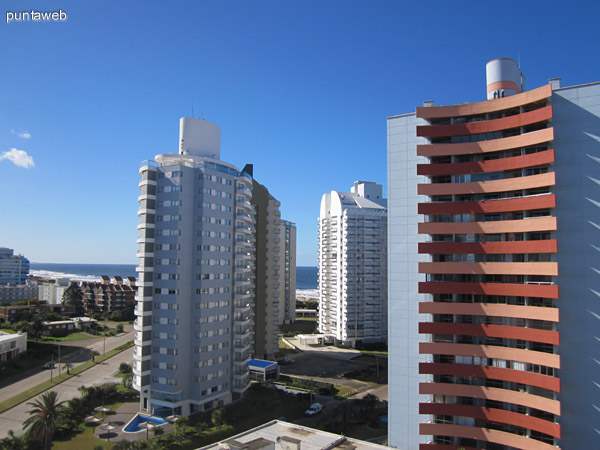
<point>494,269</point>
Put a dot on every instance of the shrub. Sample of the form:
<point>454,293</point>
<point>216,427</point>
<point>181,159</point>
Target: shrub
<point>125,368</point>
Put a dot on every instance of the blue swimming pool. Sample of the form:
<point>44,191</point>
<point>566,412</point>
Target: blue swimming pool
<point>134,424</point>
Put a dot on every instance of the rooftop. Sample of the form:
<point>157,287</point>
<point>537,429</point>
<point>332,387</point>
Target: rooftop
<point>280,435</point>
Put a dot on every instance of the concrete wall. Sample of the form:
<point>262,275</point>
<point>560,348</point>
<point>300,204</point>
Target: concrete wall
<point>577,143</point>
<point>403,278</point>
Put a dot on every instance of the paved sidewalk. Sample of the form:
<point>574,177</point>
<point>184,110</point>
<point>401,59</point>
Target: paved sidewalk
<point>101,373</point>
<point>328,350</point>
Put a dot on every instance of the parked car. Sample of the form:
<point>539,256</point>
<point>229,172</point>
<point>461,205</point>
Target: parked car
<point>49,365</point>
<point>314,409</point>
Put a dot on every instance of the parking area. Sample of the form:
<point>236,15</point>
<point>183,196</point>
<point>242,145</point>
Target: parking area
<point>319,365</point>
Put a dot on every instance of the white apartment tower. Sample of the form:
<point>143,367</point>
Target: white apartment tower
<point>353,264</point>
<point>195,296</point>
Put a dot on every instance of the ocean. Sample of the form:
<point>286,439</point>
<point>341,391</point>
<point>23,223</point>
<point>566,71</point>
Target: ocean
<point>306,277</point>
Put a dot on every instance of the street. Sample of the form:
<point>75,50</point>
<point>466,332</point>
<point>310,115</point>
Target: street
<point>101,373</point>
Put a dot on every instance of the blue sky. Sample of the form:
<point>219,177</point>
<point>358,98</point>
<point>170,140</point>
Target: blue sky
<point>301,89</point>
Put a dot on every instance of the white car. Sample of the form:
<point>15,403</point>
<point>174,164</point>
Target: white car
<point>314,409</point>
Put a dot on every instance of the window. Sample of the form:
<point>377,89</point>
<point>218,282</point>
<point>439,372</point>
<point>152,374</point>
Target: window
<point>176,189</point>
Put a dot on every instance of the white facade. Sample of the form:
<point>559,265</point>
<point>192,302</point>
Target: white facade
<point>576,142</point>
<point>353,264</point>
<point>52,292</point>
<point>404,278</point>
<point>195,294</point>
<point>12,345</point>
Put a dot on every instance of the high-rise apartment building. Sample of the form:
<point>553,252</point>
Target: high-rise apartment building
<point>288,273</point>
<point>493,269</point>
<point>13,268</point>
<point>195,290</point>
<point>353,265</point>
<point>275,251</point>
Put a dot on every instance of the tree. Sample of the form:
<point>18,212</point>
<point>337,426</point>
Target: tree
<point>180,425</point>
<point>74,296</point>
<point>43,418</point>
<point>68,366</point>
<point>125,368</point>
<point>12,442</point>
<point>217,417</point>
<point>157,431</point>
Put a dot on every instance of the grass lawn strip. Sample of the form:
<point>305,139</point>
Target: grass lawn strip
<point>70,337</point>
<point>29,393</point>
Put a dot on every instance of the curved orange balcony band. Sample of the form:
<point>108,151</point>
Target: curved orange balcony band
<point>493,373</point>
<point>491,351</point>
<point>491,165</point>
<point>505,289</point>
<point>503,85</point>
<point>494,145</point>
<point>492,415</point>
<point>490,309</point>
<point>484,187</point>
<point>499,331</point>
<point>444,447</point>
<point>490,268</point>
<point>489,393</point>
<point>486,126</point>
<point>484,434</point>
<point>441,112</point>
<point>505,247</point>
<point>490,206</point>
<point>501,226</point>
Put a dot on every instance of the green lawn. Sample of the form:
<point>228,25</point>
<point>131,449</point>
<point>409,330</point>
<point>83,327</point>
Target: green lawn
<point>300,326</point>
<point>70,337</point>
<point>7,330</point>
<point>85,440</point>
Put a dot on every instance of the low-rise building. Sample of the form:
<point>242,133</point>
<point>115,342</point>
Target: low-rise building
<point>107,296</point>
<point>12,345</point>
<point>278,435</point>
<point>52,290</point>
<point>59,327</point>
<point>14,313</point>
<point>17,293</point>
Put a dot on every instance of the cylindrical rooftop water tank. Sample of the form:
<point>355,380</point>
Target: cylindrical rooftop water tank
<point>504,78</point>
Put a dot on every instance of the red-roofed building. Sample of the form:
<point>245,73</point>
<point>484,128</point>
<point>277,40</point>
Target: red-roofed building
<point>107,296</point>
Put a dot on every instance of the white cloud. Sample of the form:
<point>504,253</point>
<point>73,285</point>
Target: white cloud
<point>18,158</point>
<point>25,134</point>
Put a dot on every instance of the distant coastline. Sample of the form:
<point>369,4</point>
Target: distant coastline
<point>306,276</point>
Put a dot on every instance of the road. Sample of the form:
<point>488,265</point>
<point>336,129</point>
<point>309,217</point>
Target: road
<point>75,358</point>
<point>101,373</point>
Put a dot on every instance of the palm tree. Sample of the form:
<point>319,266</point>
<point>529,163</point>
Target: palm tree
<point>43,418</point>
